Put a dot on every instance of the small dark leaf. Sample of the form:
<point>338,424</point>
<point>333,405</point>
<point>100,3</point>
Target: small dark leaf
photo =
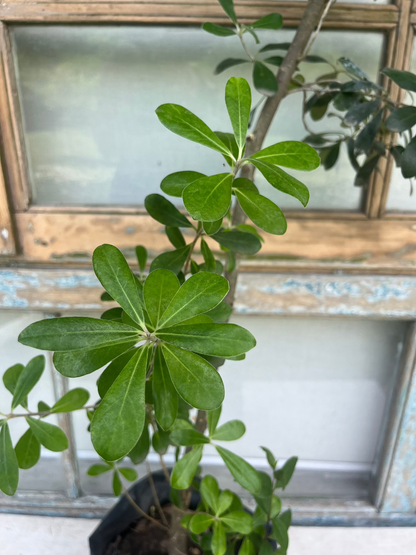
<point>352,68</point>
<point>344,101</point>
<point>141,255</point>
<point>363,86</point>
<point>174,183</point>
<point>238,241</point>
<point>313,59</point>
<point>367,135</point>
<point>274,60</point>
<point>409,160</point>
<point>27,450</point>
<point>228,7</point>
<point>396,152</point>
<point>360,112</point>
<point>351,154</point>
<point>163,211</point>
<point>332,156</point>
<point>405,79</point>
<point>227,63</point>
<point>402,119</point>
<point>141,449</point>
<point>117,487</point>
<point>276,46</point>
<point>114,314</point>
<point>218,30</point>
<point>284,474</point>
<point>271,21</point>
<point>175,236</point>
<point>173,260</point>
<point>9,468</point>
<point>264,80</point>
<point>363,175</point>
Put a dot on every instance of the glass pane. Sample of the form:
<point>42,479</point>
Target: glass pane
<point>401,196</point>
<point>88,96</point>
<point>48,474</point>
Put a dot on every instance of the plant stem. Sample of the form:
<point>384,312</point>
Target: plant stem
<point>155,496</point>
<point>41,414</point>
<point>140,510</point>
<point>188,258</point>
<point>162,460</point>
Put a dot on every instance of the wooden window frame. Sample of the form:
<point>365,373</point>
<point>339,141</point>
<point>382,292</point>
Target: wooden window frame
<point>372,241</point>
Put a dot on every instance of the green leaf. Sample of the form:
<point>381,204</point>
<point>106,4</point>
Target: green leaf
<point>129,474</point>
<point>181,121</point>
<point>263,212</point>
<point>313,59</point>
<point>163,211</point>
<point>119,420</point>
<point>238,101</point>
<point>159,289</point>
<point>140,451</point>
<point>238,521</point>
<point>283,475</point>
<point>115,276</point>
<point>276,46</point>
<point>208,199</point>
<point>219,539</point>
<point>74,364</point>
<point>244,184</point>
<point>196,381</point>
<point>117,485</point>
<point>405,79</point>
<point>200,522</point>
<point>274,60</point>
<point>98,469</point>
<point>247,548</point>
<point>218,30</point>
<point>409,160</point>
<point>212,227</point>
<point>230,431</point>
<point>271,21</point>
<point>360,112</point>
<point>213,417</point>
<point>367,135</point>
<point>186,438</point>
<point>73,400</point>
<point>264,497</point>
<point>175,183</point>
<point>402,119</point>
<point>352,68</point>
<point>27,380</point>
<point>237,241</point>
<point>198,294</point>
<point>225,501</point>
<point>43,407</point>
<point>241,470</point>
<point>280,534</point>
<point>282,181</point>
<point>271,459</point>
<point>222,340</point>
<point>108,377</point>
<point>114,314</point>
<point>276,506</point>
<point>27,450</point>
<point>246,228</point>
<point>210,492</point>
<point>141,255</point>
<point>164,393</point>
<point>228,7</point>
<point>362,178</point>
<point>221,313</point>
<point>185,469</point>
<point>286,518</point>
<point>175,236</point>
<point>9,468</point>
<point>50,436</point>
<point>227,63</point>
<point>264,80</point>
<point>210,265</point>
<point>332,156</point>
<point>11,377</point>
<point>290,154</point>
<point>266,548</point>
<point>173,260</point>
<point>106,297</point>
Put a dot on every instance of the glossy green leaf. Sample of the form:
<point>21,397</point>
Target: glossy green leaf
<point>266,548</point>
<point>276,506</point>
<point>313,59</point>
<point>271,459</point>
<point>198,294</point>
<point>200,319</point>
<point>219,539</point>
<point>332,156</point>
<point>117,485</point>
<point>181,121</point>
<point>213,417</point>
<point>164,393</point>
<point>50,436</point>
<point>367,135</point>
<point>276,46</point>
<point>274,60</point>
<point>352,68</point>
<point>196,381</point>
<point>119,419</point>
<point>129,474</point>
<point>227,63</point>
<point>163,211</point>
<point>43,407</point>
<point>264,496</point>
<point>244,184</point>
<point>9,468</point>
<point>200,522</point>
<point>212,227</point>
<point>74,364</point>
<point>282,181</point>
<point>286,518</point>
<point>172,260</point>
<point>11,377</point>
<point>362,178</point>
<point>159,289</point>
<point>230,431</point>
<point>114,314</point>
<point>241,470</point>
<point>210,492</point>
<point>271,21</point>
<point>115,276</point>
<point>238,521</point>
<point>222,340</point>
<point>219,268</point>
<point>221,313</point>
<point>405,79</point>
<point>27,450</point>
<point>141,255</point>
<point>210,265</point>
<point>67,334</point>
<point>247,228</point>
<point>184,470</point>
<point>290,154</point>
<point>228,7</point>
<point>27,380</point>
<point>280,534</point>
<point>98,469</point>
<point>283,475</point>
<point>225,501</point>
<point>218,30</point>
<point>360,112</point>
<point>187,437</point>
<point>140,451</point>
<point>108,377</point>
<point>175,183</point>
<point>408,164</point>
<point>175,236</point>
<point>238,102</point>
<point>262,212</point>
<point>238,241</point>
<point>402,119</point>
<point>73,400</point>
<point>208,199</point>
<point>264,80</point>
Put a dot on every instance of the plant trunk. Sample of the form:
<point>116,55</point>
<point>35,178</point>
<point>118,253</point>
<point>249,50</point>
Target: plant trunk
<point>178,544</point>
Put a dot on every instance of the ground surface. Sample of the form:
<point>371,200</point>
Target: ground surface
<point>31,535</point>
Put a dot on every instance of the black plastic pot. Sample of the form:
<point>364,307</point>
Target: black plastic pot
<point>123,513</point>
